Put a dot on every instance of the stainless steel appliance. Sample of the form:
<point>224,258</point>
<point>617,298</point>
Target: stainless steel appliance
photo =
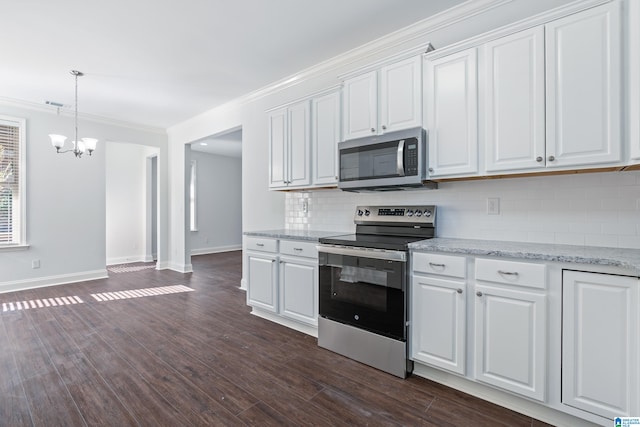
<point>393,161</point>
<point>363,282</point>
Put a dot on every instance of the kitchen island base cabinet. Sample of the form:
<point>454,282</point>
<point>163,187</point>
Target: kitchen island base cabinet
<point>600,343</point>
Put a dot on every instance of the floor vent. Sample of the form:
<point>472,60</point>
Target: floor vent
<point>129,268</point>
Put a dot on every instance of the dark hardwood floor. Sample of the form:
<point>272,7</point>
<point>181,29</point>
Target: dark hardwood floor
<point>197,358</point>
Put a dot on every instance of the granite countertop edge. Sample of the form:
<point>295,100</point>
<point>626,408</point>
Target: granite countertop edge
<point>305,235</point>
<point>615,257</point>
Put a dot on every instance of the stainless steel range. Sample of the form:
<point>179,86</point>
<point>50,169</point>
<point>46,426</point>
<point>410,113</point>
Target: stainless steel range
<point>363,284</point>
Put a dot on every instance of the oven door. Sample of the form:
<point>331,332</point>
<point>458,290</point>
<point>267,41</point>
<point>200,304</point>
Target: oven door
<point>364,288</point>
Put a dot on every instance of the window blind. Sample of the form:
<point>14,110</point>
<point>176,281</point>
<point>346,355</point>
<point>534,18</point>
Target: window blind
<point>9,182</point>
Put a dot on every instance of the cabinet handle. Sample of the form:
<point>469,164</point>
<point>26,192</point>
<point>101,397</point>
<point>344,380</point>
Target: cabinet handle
<point>508,273</point>
<point>539,159</point>
<point>297,249</point>
<point>373,130</point>
<point>384,127</point>
<point>459,290</point>
<point>433,264</point>
<point>431,170</point>
<point>479,293</point>
<point>260,244</point>
<point>551,158</point>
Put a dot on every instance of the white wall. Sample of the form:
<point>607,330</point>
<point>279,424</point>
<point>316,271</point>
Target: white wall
<point>264,209</point>
<point>219,203</point>
<point>126,201</point>
<point>66,209</point>
<point>596,209</point>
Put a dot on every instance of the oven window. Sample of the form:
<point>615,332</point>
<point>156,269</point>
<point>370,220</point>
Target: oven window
<point>359,286</point>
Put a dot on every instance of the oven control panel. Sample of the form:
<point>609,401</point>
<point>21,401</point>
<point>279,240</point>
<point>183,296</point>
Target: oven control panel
<point>395,214</point>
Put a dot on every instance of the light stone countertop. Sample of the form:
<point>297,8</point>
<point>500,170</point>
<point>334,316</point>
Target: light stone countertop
<point>312,236</point>
<point>614,257</point>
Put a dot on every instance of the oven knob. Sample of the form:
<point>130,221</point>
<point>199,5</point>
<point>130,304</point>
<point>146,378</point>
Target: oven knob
<point>356,317</point>
<point>359,212</point>
<point>366,212</point>
<point>410,212</point>
<point>427,213</point>
<point>418,214</point>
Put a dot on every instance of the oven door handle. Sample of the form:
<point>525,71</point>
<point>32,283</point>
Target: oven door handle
<point>364,253</point>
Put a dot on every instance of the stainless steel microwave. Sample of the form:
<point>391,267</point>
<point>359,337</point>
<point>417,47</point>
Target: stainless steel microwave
<point>393,161</point>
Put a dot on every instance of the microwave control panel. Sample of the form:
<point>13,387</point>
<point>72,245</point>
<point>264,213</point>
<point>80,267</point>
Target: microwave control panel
<point>411,157</point>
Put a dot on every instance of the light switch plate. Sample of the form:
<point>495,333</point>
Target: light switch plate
<point>493,206</point>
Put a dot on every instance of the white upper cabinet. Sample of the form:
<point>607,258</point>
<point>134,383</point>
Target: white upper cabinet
<point>383,100</point>
<point>583,61</point>
<point>325,135</point>
<point>361,106</point>
<point>401,95</point>
<point>278,155</point>
<point>514,101</point>
<point>451,103</point>
<point>290,146</point>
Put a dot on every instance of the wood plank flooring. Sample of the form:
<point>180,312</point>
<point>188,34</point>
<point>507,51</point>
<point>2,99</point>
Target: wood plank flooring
<point>198,358</point>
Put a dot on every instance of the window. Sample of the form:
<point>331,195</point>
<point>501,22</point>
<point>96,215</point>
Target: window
<point>12,182</point>
<point>193,225</point>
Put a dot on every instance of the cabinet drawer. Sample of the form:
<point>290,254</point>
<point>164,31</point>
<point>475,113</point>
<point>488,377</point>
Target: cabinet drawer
<point>262,244</point>
<point>443,265</point>
<point>298,248</point>
<point>511,273</point>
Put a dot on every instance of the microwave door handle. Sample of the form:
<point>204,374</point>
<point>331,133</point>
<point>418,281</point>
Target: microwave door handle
<point>400,158</point>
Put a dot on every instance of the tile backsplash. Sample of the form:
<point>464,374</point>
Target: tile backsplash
<point>595,209</point>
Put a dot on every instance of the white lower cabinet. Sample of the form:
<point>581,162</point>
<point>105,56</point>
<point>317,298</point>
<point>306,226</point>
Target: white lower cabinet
<point>263,279</point>
<point>439,332</point>
<point>510,338</point>
<point>504,312</point>
<point>601,344</point>
<point>299,289</point>
<point>283,278</point>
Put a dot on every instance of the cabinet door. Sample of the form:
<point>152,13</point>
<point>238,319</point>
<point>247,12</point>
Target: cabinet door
<point>261,287</point>
<point>360,116</point>
<point>600,345</point>
<point>299,121</point>
<point>584,71</point>
<point>299,290</point>
<point>438,330</point>
<point>452,114</point>
<point>325,137</point>
<point>514,102</point>
<point>401,95</point>
<point>278,148</point>
<point>510,339</point>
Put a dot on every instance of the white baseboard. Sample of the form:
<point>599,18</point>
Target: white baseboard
<point>243,284</point>
<point>180,268</point>
<point>62,279</point>
<point>126,259</point>
<point>216,249</point>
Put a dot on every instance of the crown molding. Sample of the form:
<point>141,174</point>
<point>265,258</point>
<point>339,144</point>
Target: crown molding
<point>34,106</point>
<point>395,40</point>
<point>524,24</point>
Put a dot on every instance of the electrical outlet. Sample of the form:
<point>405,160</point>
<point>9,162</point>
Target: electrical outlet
<point>305,206</point>
<point>35,263</point>
<point>493,206</point>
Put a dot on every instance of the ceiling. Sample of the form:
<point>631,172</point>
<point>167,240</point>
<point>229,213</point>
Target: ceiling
<point>159,62</point>
<point>229,144</point>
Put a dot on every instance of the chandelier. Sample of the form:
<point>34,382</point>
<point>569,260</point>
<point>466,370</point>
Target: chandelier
<point>79,146</point>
